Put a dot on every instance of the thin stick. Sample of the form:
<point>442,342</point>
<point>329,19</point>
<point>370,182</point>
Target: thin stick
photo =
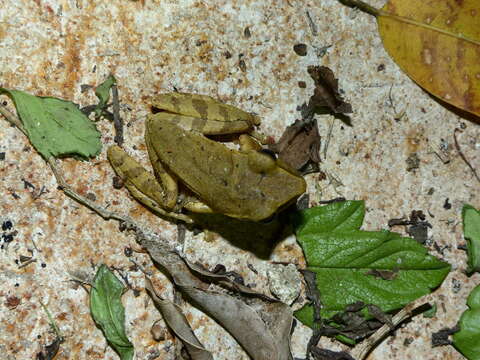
<point>362,6</point>
<point>457,146</point>
<point>79,198</point>
<point>361,351</point>
<point>12,119</point>
<point>117,121</point>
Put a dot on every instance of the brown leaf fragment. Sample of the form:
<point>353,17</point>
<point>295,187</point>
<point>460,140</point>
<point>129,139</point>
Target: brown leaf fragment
<point>50,351</point>
<point>441,338</point>
<point>383,274</point>
<point>326,94</point>
<point>299,145</point>
<point>378,314</point>
<point>312,293</point>
<point>325,354</point>
<point>12,302</point>
<point>261,327</point>
<point>176,320</point>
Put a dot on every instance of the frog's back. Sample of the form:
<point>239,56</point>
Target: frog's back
<point>222,177</point>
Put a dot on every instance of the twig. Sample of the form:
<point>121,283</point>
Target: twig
<point>28,262</point>
<point>53,324</point>
<point>82,199</point>
<point>117,121</point>
<point>457,146</point>
<point>313,27</point>
<point>329,137</point>
<point>363,349</point>
<point>362,6</point>
<point>12,119</point>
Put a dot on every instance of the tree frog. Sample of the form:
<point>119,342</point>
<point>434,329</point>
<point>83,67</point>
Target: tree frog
<point>244,184</point>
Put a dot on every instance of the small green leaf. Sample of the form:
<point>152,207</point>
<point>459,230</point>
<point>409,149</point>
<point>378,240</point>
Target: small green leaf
<point>430,313</point>
<point>55,127</point>
<point>342,256</point>
<point>471,231</point>
<point>108,312</point>
<point>467,340</point>
<point>103,93</point>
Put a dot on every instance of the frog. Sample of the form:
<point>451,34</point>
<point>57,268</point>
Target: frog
<point>246,183</point>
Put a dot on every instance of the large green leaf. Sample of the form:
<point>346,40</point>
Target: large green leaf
<point>471,231</point>
<point>55,127</point>
<point>108,312</point>
<point>342,256</point>
<point>467,340</point>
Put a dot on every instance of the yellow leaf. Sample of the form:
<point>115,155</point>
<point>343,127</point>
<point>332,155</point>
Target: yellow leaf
<point>437,43</point>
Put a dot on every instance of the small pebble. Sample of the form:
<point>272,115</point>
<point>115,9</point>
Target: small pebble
<point>300,49</point>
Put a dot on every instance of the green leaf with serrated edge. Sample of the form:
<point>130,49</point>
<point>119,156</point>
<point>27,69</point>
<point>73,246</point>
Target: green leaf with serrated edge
<point>108,312</point>
<point>338,216</point>
<point>471,232</point>
<point>467,340</point>
<point>103,93</point>
<point>341,255</point>
<point>55,127</point>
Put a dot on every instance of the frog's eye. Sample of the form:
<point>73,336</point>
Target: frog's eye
<point>260,162</point>
<point>269,153</point>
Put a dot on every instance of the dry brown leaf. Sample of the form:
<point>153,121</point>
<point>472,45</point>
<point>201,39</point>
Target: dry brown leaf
<point>261,327</point>
<point>326,93</point>
<point>299,144</point>
<point>437,43</point>
<point>176,320</point>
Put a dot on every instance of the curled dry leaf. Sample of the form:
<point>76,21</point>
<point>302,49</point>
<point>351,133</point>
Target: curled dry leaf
<point>299,144</point>
<point>261,327</point>
<point>173,316</point>
<point>326,94</point>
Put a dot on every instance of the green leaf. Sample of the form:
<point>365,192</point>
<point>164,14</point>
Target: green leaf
<point>108,312</point>
<point>342,256</point>
<point>471,231</point>
<point>55,127</point>
<point>103,93</point>
<point>467,340</point>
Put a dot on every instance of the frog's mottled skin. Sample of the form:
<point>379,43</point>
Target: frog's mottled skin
<point>244,184</point>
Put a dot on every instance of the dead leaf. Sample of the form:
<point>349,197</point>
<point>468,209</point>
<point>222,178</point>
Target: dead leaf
<point>299,144</point>
<point>50,351</point>
<point>437,43</point>
<point>176,320</point>
<point>326,93</point>
<point>261,327</point>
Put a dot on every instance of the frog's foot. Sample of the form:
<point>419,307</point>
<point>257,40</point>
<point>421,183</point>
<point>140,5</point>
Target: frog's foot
<point>152,205</point>
<point>196,206</point>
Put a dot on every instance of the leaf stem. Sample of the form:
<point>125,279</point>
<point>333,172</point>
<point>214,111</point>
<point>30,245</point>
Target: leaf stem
<point>462,155</point>
<point>12,119</point>
<point>362,6</point>
<point>361,351</point>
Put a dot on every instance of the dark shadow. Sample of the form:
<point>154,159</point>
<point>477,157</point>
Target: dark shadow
<point>259,238</point>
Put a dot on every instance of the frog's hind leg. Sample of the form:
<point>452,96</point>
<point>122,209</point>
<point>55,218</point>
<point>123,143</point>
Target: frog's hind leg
<point>205,126</point>
<point>168,182</point>
<point>152,205</point>
<point>142,184</point>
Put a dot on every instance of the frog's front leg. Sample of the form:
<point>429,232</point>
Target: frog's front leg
<point>142,185</point>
